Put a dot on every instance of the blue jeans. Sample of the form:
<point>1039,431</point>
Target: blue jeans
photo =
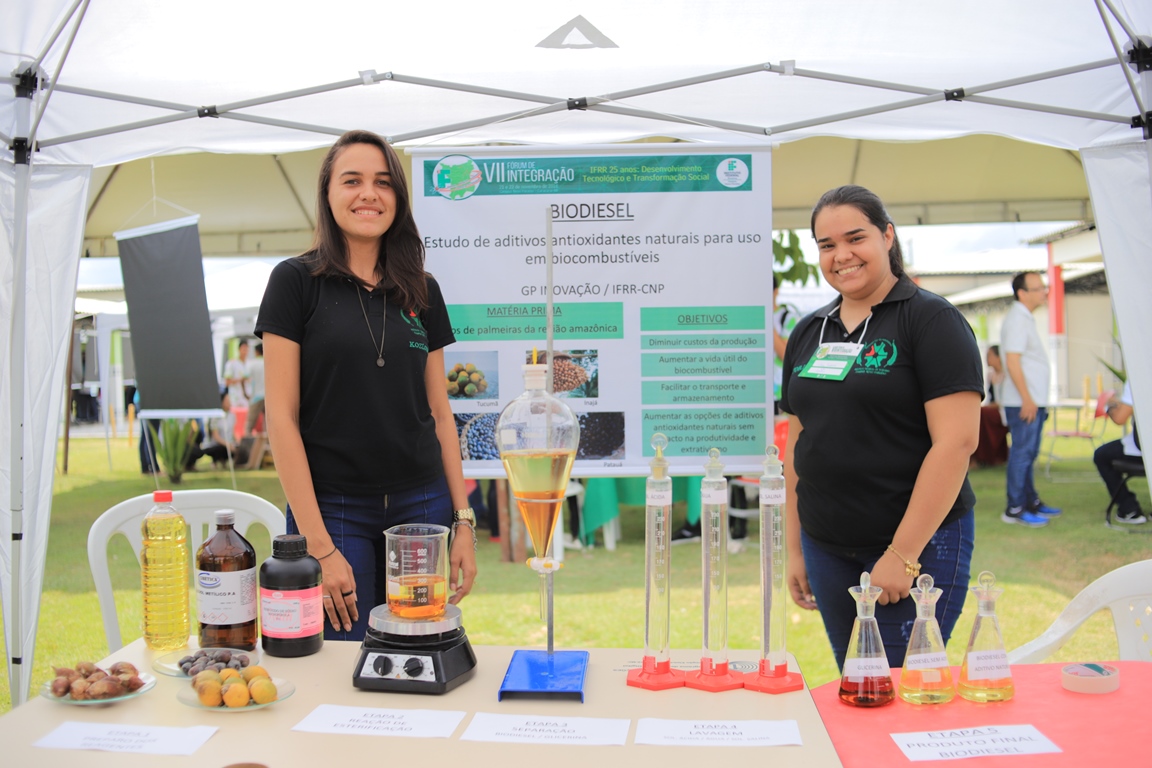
<point>1022,456</point>
<point>947,558</point>
<point>357,524</point>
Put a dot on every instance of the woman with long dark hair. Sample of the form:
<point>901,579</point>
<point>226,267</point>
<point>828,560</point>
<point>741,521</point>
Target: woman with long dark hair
<point>358,416</point>
<point>883,388</point>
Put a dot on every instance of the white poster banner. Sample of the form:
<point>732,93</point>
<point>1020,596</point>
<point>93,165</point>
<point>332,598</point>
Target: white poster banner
<point>662,275</point>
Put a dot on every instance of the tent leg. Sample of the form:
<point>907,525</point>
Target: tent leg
<point>18,684</point>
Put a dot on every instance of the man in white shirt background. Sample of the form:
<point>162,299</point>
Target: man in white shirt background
<point>1025,397</point>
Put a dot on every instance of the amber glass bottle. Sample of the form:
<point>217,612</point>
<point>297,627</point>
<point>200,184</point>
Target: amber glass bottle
<point>226,587</point>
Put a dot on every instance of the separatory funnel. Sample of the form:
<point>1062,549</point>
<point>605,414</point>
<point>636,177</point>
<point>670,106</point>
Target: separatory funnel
<point>537,435</point>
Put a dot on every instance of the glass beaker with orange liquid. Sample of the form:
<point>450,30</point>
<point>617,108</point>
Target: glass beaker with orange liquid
<point>417,570</point>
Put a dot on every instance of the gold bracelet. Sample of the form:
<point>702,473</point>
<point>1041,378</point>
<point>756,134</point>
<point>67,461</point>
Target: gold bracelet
<point>910,568</point>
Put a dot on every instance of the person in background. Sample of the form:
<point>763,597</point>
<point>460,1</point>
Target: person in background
<point>1024,399</point>
<point>882,388</point>
<point>220,439</point>
<point>996,373</point>
<point>1128,506</point>
<point>236,375</point>
<point>256,376</point>
<point>354,332</point>
<point>992,449</point>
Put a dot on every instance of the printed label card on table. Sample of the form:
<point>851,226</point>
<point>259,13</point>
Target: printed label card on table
<point>717,733</point>
<point>547,729</point>
<point>374,721</point>
<point>983,741</point>
<point>141,739</point>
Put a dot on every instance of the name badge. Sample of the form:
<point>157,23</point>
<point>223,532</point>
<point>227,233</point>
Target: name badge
<point>831,362</point>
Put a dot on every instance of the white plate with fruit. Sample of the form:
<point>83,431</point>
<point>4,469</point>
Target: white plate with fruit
<point>86,684</point>
<point>235,691</point>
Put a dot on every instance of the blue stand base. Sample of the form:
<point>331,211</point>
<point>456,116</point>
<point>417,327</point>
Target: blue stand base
<point>543,675</point>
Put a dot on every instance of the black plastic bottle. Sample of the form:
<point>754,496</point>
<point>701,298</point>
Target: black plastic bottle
<point>291,604</point>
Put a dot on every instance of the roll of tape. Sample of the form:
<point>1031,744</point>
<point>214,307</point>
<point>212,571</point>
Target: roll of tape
<point>1091,678</point>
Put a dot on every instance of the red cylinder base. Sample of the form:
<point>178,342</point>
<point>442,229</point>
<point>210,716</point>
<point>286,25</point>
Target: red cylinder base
<point>713,677</point>
<point>655,676</point>
<point>778,680</point>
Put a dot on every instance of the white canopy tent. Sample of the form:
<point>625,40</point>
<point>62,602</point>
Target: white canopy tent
<point>107,83</point>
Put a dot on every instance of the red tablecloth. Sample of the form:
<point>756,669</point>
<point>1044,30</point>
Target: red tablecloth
<point>1093,730</point>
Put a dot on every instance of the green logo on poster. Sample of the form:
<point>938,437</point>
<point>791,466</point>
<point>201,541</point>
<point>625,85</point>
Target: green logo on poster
<point>456,177</point>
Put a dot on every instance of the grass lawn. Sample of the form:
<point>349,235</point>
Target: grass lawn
<point>600,594</point>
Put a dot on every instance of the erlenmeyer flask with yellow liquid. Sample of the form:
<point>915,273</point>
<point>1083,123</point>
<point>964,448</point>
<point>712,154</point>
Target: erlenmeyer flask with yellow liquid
<point>537,435</point>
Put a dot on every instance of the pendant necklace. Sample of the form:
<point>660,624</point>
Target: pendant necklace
<point>383,325</point>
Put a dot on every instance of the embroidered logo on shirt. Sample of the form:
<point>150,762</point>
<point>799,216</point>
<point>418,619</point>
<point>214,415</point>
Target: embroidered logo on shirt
<point>876,357</point>
<point>413,321</point>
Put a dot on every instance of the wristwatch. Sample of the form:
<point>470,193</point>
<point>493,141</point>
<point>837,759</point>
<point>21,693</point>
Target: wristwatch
<point>465,517</point>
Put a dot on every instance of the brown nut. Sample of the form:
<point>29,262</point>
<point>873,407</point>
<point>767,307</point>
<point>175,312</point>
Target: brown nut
<point>66,672</point>
<point>86,668</point>
<point>123,667</point>
<point>61,686</point>
<point>79,689</point>
<point>106,688</point>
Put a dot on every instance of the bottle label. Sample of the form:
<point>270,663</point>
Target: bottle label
<point>291,613</point>
<point>658,498</point>
<point>226,597</point>
<point>770,497</point>
<point>714,495</point>
<point>988,665</point>
<point>858,670</point>
<point>926,661</point>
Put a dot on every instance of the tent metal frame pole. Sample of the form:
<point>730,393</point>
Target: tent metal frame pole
<point>18,683</point>
<point>554,104</point>
<point>1050,110</point>
<point>56,34</point>
<point>687,81</point>
<point>477,123</point>
<point>778,129</point>
<point>59,69</point>
<point>138,100</point>
<point>283,123</point>
<point>288,95</point>
<point>465,88</point>
<point>644,113</point>
<point>1128,30</point>
<point>124,128</point>
<point>1133,85</point>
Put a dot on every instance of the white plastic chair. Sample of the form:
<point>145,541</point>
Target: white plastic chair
<point>1126,592</point>
<point>199,511</point>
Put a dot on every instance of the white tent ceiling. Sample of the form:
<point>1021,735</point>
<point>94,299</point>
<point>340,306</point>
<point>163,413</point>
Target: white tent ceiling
<point>135,79</point>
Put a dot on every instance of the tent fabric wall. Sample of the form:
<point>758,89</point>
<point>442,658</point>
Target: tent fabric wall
<point>55,228</point>
<point>1120,179</point>
<point>456,72</point>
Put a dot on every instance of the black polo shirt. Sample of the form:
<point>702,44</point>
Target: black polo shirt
<point>367,430</point>
<point>865,437</point>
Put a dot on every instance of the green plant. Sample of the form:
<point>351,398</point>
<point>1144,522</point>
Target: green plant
<point>174,445</point>
<point>789,258</point>
<point>1120,374</point>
